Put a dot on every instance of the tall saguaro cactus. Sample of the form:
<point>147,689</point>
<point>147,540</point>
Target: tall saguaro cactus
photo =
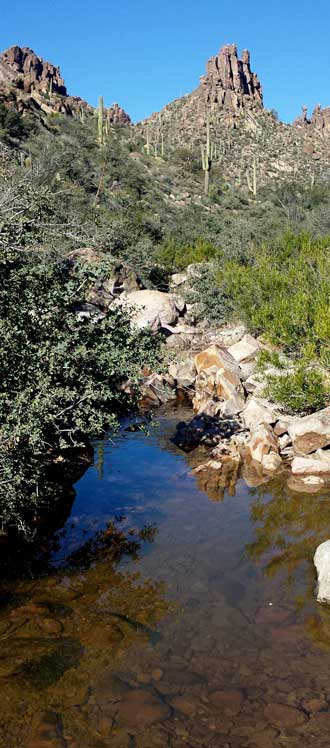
<point>252,177</point>
<point>100,121</point>
<point>209,154</point>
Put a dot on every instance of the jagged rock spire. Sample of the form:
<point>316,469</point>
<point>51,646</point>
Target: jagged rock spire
<point>229,80</point>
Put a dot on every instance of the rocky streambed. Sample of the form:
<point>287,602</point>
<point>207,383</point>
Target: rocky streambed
<point>175,607</point>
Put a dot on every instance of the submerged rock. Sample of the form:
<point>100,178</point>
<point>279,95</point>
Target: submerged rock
<point>322,563</point>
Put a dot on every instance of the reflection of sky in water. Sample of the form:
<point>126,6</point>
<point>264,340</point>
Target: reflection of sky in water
<point>226,592</point>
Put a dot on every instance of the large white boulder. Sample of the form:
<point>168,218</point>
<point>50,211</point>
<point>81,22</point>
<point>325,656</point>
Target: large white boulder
<point>322,563</point>
<point>310,432</point>
<point>150,308</point>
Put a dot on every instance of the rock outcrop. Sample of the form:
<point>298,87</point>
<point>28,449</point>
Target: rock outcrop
<point>34,86</point>
<point>22,65</point>
<point>229,81</point>
<point>117,116</point>
<point>319,121</point>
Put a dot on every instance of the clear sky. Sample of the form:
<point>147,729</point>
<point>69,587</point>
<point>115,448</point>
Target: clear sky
<point>145,53</point>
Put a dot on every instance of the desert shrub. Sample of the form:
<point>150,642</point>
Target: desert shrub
<point>299,391</point>
<point>212,303</point>
<point>177,256</point>
<point>283,290</point>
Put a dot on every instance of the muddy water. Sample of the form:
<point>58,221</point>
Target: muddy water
<point>169,613</point>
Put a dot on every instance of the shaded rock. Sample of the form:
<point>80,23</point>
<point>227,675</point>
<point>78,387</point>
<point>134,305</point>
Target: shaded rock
<point>183,372</point>
<point>48,733</point>
<point>322,563</point>
<point>141,709</point>
<point>186,704</point>
<point>259,411</point>
<point>229,702</point>
<point>245,350</point>
<point>158,389</point>
<point>310,432</point>
<point>283,716</point>
<point>203,429</point>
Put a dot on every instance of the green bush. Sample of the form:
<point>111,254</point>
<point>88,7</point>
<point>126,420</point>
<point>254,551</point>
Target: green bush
<point>177,256</point>
<point>62,376</point>
<point>283,290</point>
<point>299,391</point>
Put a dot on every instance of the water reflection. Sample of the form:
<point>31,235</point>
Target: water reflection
<point>175,610</point>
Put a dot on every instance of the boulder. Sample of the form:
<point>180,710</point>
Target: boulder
<point>259,411</point>
<point>150,308</point>
<point>184,373</point>
<point>262,444</point>
<point>317,465</point>
<point>245,350</point>
<point>218,380</point>
<point>220,358</point>
<point>310,432</point>
<point>322,563</point>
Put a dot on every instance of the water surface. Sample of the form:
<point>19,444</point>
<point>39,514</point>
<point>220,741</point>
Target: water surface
<point>172,610</point>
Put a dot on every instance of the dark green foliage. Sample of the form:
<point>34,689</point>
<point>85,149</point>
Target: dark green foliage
<point>61,375</point>
<point>212,302</point>
<point>12,125</point>
<point>177,256</point>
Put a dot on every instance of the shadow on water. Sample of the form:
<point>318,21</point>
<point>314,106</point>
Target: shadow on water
<point>171,610</point>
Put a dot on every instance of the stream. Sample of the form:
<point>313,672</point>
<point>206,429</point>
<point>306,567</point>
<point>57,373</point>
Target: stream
<point>171,610</point>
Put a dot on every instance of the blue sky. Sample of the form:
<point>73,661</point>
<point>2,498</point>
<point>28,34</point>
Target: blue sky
<point>144,54</point>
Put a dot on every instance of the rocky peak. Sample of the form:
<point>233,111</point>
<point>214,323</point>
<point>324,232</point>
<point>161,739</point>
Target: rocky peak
<point>21,64</point>
<point>229,81</point>
<point>319,121</point>
<point>117,115</point>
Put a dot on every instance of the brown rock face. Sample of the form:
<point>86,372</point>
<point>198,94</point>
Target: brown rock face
<point>118,116</point>
<point>34,71</point>
<point>229,81</point>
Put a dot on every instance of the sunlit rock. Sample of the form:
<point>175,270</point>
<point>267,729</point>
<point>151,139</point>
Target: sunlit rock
<point>322,563</point>
<point>310,432</point>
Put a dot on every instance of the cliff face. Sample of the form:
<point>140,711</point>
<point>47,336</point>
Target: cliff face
<point>21,64</point>
<point>34,86</point>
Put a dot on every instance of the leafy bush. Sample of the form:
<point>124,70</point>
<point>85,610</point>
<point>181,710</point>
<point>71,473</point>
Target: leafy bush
<point>300,391</point>
<point>283,290</point>
<point>62,376</point>
<point>212,303</point>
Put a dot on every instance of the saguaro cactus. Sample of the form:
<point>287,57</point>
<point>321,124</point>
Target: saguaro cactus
<point>252,177</point>
<point>209,154</point>
<point>100,120</point>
